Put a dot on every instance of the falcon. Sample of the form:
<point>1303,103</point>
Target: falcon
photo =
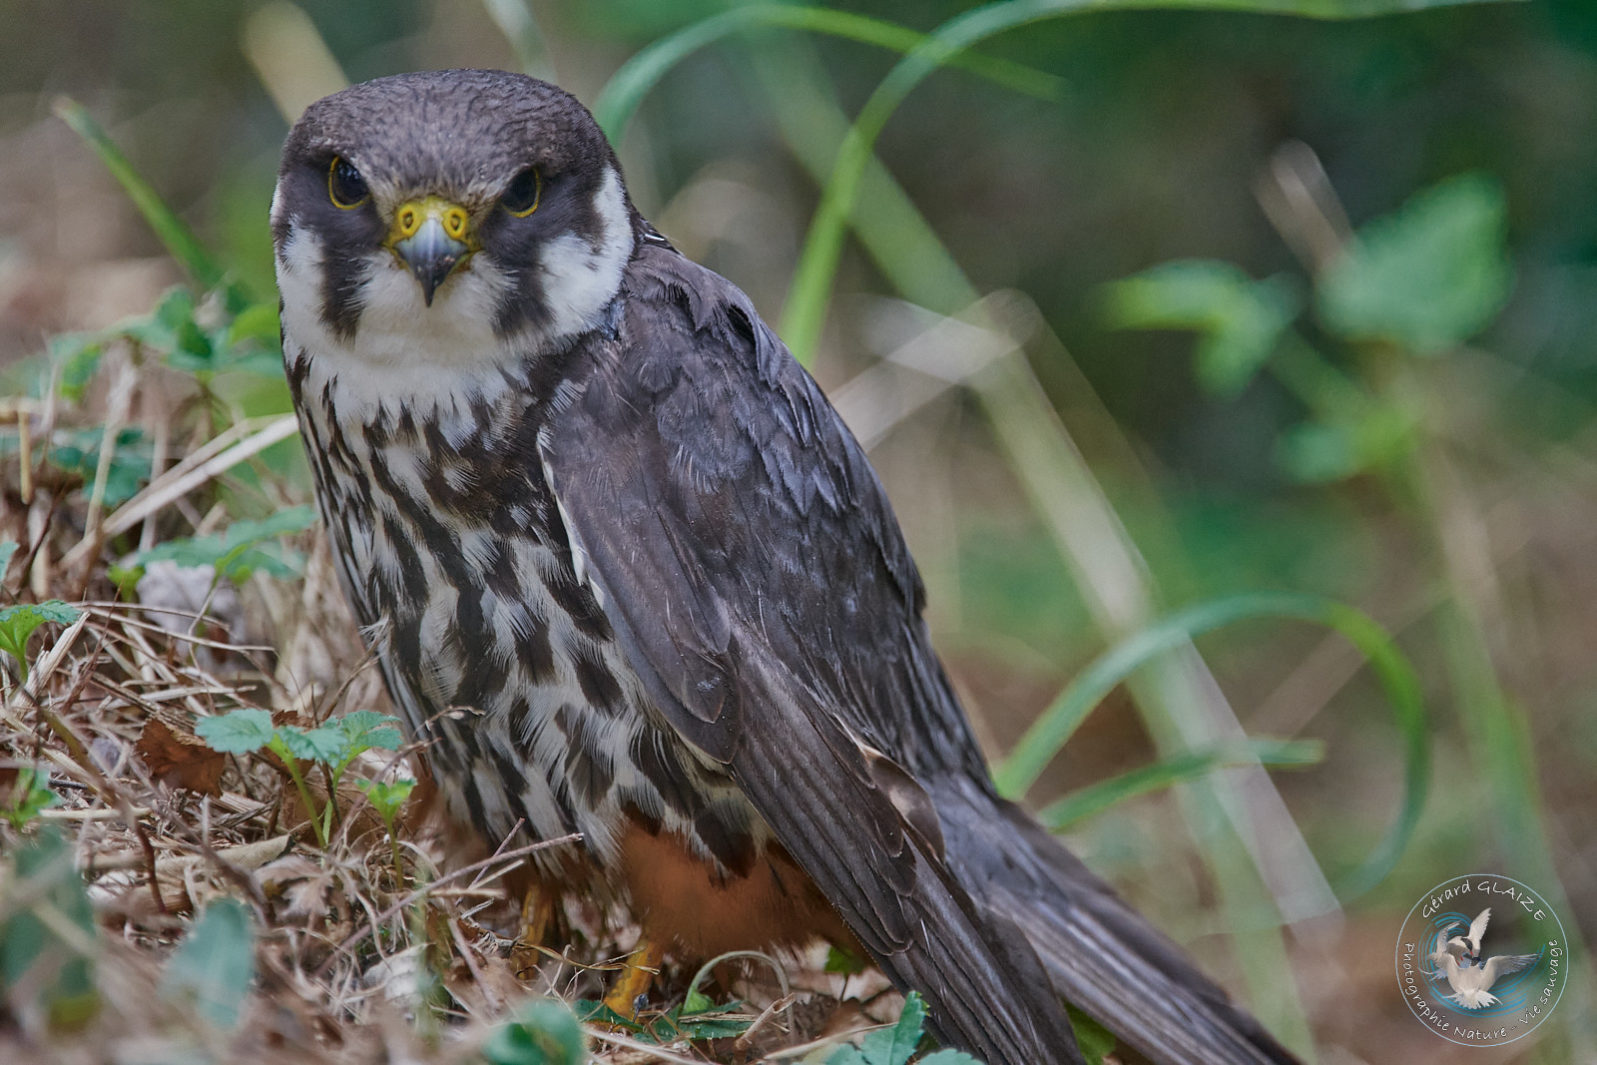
<point>628,575</point>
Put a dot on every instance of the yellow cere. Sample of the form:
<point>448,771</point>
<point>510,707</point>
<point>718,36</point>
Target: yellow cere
<point>410,217</point>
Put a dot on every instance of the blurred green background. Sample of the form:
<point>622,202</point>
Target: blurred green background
<point>1414,436</point>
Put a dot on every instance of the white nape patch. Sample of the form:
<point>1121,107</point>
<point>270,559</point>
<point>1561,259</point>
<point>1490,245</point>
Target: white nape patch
<point>580,277</point>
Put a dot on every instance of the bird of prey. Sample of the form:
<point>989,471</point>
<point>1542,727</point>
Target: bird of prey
<point>627,574</point>
<point>1472,984</point>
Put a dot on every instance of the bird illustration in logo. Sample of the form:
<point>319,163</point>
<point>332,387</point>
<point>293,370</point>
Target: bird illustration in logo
<point>1469,975</point>
<point>1471,944</point>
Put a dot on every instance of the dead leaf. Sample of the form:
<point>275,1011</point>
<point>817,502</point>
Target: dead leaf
<point>179,759</point>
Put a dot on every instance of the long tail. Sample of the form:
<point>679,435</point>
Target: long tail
<point>1101,956</point>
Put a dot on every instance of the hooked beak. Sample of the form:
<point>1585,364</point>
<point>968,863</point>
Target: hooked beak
<point>432,236</point>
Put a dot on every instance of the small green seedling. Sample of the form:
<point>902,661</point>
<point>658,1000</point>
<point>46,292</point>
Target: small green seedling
<point>333,745</point>
<point>386,798</point>
<point>29,794</point>
<point>18,622</point>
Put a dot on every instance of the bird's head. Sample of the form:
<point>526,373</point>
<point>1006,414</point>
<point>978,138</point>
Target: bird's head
<point>446,214</point>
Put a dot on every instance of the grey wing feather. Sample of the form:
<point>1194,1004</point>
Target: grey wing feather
<point>722,517</point>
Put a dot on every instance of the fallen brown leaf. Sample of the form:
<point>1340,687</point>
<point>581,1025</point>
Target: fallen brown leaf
<point>180,759</point>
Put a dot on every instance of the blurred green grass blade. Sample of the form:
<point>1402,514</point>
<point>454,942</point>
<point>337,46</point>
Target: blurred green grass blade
<point>1054,727</point>
<point>520,29</point>
<point>899,240</point>
<point>177,237</point>
<point>627,88</point>
<point>1096,798</point>
<point>823,247</point>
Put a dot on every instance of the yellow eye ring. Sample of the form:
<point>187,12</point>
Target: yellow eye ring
<point>521,197</point>
<point>345,187</point>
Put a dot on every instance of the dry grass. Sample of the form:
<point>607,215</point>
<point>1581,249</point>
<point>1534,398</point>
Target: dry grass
<point>367,949</point>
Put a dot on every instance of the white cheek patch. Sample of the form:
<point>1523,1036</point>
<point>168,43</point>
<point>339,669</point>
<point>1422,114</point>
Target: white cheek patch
<point>580,278</point>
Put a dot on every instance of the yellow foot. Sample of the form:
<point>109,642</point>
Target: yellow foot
<point>537,915</point>
<point>642,966</point>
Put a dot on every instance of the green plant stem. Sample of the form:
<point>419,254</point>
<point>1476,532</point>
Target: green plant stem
<point>520,29</point>
<point>394,851</point>
<point>642,72</point>
<point>1055,725</point>
<point>177,237</point>
<point>891,229</point>
<point>1318,384</point>
<point>279,748</point>
<point>1083,803</point>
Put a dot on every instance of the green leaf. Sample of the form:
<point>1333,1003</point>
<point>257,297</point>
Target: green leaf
<point>704,1024</point>
<point>325,743</point>
<point>896,1045</point>
<point>30,793</point>
<point>77,357</point>
<point>214,965</point>
<point>1055,725</point>
<point>544,1032</point>
<point>19,622</point>
<point>1190,765</point>
<point>593,1011</point>
<point>1324,452</point>
<point>31,951</point>
<point>77,451</point>
<point>386,797</point>
<point>240,550</point>
<point>839,960</point>
<point>236,732</point>
<point>889,1046</point>
<point>364,730</point>
<point>697,1002</point>
<point>949,1057</point>
<point>1428,277</point>
<point>257,323</point>
<point>1093,1040</point>
<point>1239,320</point>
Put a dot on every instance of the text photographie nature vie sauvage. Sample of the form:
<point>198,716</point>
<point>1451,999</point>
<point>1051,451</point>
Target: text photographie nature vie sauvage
<point>576,486</point>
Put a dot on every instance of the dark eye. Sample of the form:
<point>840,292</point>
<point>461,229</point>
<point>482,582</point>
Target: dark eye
<point>521,197</point>
<point>345,187</point>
